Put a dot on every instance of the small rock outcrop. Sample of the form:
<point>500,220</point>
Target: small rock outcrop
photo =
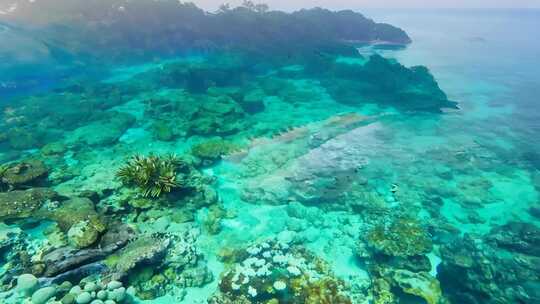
<point>21,204</point>
<point>23,175</point>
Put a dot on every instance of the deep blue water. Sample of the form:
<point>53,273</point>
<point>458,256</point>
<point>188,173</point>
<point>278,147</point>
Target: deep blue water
<point>466,49</point>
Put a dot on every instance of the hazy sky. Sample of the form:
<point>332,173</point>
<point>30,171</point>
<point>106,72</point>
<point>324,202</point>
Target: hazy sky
<point>358,4</point>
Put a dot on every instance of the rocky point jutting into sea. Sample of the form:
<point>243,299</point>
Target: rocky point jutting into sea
<point>153,152</point>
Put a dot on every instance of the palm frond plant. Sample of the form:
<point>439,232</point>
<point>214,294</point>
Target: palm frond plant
<point>153,175</point>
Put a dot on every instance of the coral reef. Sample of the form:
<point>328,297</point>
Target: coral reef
<point>280,272</point>
<point>401,237</point>
<point>395,252</point>
<point>501,267</point>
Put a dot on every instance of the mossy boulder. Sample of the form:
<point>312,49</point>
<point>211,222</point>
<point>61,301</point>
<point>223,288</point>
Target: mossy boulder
<point>21,204</point>
<point>145,250</point>
<point>420,284</point>
<point>217,116</point>
<point>82,234</point>
<point>54,148</point>
<point>23,175</point>
<point>78,218</point>
<point>211,151</point>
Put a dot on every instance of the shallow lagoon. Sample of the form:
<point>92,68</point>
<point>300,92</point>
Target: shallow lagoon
<point>396,204</point>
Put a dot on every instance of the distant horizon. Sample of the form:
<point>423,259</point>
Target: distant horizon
<point>211,6</point>
<point>287,5</point>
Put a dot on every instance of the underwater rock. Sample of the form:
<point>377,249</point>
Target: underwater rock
<point>70,262</point>
<point>24,174</point>
<point>82,234</point>
<point>253,101</point>
<point>217,116</point>
<point>103,132</point>
<point>118,234</point>
<point>79,219</point>
<point>21,204</point>
<point>162,131</point>
<point>41,296</point>
<point>65,259</point>
<point>211,151</point>
<point>69,298</point>
<point>26,283</point>
<point>76,274</point>
<point>145,250</point>
<point>420,284</point>
<point>95,291</point>
<point>53,149</point>
<point>83,298</point>
<point>93,196</point>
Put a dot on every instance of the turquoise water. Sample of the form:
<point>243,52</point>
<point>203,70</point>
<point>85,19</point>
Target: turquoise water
<point>332,178</point>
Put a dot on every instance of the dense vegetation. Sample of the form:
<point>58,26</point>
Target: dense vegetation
<point>103,27</point>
